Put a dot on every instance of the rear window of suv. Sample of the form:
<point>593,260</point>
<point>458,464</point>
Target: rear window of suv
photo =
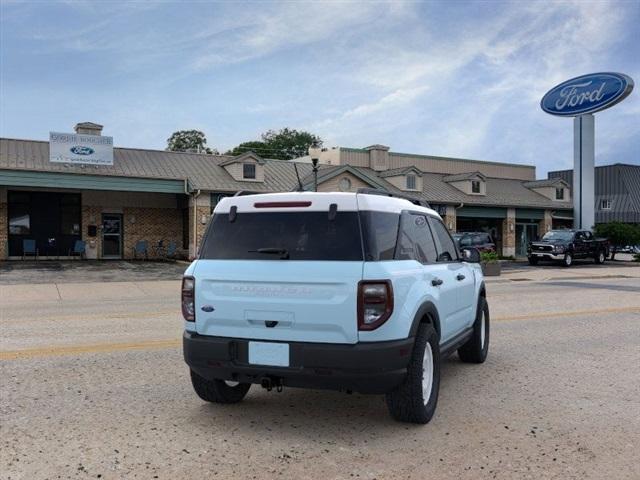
<point>283,235</point>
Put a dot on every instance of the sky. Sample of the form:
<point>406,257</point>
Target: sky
<point>451,78</point>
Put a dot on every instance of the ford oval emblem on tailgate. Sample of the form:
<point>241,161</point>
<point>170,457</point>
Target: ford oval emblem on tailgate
<point>207,308</point>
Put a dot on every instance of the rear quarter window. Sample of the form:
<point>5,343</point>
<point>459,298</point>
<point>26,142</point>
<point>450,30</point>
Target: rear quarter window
<point>380,232</point>
<point>304,236</point>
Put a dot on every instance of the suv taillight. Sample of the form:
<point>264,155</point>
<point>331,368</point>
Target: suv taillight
<point>375,303</point>
<point>188,299</point>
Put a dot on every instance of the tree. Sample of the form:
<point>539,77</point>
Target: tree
<point>619,234</point>
<point>188,141</point>
<point>284,144</point>
<point>257,147</point>
<point>287,144</point>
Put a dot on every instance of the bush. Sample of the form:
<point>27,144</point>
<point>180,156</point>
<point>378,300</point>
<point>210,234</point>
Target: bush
<point>488,257</point>
<point>619,234</point>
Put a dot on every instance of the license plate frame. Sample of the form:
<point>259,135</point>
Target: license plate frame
<point>273,354</point>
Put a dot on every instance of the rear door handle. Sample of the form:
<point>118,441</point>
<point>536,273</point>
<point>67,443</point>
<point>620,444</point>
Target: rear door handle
<point>436,282</point>
<point>460,277</point>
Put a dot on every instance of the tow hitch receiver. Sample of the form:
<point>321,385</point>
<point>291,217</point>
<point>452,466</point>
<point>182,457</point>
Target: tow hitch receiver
<point>270,382</point>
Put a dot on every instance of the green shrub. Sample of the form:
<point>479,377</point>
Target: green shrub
<point>488,257</point>
<point>619,234</point>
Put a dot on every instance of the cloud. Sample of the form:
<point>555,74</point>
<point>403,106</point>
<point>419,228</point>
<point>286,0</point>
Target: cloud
<point>445,78</point>
<point>484,83</point>
<point>286,26</point>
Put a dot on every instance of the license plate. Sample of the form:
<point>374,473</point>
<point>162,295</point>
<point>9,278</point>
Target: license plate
<point>268,353</point>
<point>539,255</point>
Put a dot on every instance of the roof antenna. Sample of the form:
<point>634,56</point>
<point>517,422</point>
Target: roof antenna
<point>295,166</point>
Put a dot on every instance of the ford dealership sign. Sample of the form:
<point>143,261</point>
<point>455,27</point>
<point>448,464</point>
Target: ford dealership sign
<point>587,94</point>
<point>80,149</point>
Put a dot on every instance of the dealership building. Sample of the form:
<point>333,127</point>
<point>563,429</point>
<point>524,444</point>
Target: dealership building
<point>114,198</point>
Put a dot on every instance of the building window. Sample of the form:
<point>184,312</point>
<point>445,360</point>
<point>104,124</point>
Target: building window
<point>411,182</point>
<point>559,193</point>
<point>605,204</point>
<point>249,171</point>
<point>19,213</point>
<point>475,186</point>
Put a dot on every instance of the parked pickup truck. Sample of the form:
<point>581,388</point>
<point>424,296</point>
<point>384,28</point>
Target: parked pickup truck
<point>353,292</point>
<point>566,245</point>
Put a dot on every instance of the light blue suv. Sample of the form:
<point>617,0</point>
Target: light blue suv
<point>352,292</point>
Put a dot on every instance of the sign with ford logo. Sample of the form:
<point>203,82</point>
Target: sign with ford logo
<point>587,94</point>
<point>80,149</point>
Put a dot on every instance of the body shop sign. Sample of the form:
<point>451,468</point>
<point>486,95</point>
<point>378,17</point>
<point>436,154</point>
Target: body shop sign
<point>587,94</point>
<point>80,149</point>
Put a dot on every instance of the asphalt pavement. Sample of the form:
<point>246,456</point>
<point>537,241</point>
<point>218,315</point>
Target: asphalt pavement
<point>94,386</point>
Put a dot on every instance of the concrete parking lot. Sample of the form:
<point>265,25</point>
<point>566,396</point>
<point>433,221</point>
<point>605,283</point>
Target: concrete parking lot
<point>94,386</point>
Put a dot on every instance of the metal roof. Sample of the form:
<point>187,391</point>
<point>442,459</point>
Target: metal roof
<point>400,171</point>
<point>205,172</point>
<point>547,182</point>
<point>463,176</point>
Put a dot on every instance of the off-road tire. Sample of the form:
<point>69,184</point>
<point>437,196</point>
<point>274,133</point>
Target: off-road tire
<point>475,350</point>
<point>406,402</point>
<point>600,257</point>
<point>567,261</point>
<point>217,391</point>
<point>533,261</point>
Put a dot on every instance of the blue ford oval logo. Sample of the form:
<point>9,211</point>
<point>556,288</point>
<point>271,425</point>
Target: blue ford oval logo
<point>587,94</point>
<point>80,150</point>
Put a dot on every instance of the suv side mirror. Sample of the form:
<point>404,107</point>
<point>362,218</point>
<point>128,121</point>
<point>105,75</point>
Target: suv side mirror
<point>470,255</point>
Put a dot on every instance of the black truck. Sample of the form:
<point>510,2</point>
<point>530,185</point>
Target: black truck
<point>565,246</point>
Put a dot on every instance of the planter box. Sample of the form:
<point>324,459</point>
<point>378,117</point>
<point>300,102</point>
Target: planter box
<point>492,269</point>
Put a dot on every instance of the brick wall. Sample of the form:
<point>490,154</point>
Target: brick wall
<point>545,224</point>
<point>450,218</point>
<point>4,241</point>
<point>92,216</point>
<point>152,225</point>
<point>509,233</point>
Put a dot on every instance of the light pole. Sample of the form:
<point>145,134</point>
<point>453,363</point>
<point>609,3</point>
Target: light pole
<point>314,152</point>
<point>314,162</point>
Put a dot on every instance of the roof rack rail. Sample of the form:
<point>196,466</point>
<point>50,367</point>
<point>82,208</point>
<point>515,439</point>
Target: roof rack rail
<point>385,193</point>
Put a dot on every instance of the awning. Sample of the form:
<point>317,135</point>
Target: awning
<point>482,212</point>
<point>30,178</point>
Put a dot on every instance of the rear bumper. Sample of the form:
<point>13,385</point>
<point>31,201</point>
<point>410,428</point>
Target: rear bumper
<point>376,367</point>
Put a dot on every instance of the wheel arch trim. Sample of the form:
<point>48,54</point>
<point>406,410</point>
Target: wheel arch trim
<point>427,309</point>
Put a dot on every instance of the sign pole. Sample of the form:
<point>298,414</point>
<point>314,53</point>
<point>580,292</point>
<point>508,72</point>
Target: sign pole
<point>579,98</point>
<point>583,171</point>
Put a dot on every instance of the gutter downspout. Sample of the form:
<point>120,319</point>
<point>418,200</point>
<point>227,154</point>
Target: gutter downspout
<point>195,196</point>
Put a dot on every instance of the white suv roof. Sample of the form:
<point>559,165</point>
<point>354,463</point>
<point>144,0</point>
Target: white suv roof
<point>318,201</point>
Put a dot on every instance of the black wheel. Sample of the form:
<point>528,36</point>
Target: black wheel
<point>533,261</point>
<point>219,391</point>
<point>600,257</point>
<point>416,398</point>
<point>477,347</point>
<point>567,261</point>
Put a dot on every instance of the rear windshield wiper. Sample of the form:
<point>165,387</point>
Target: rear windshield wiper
<point>283,252</point>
